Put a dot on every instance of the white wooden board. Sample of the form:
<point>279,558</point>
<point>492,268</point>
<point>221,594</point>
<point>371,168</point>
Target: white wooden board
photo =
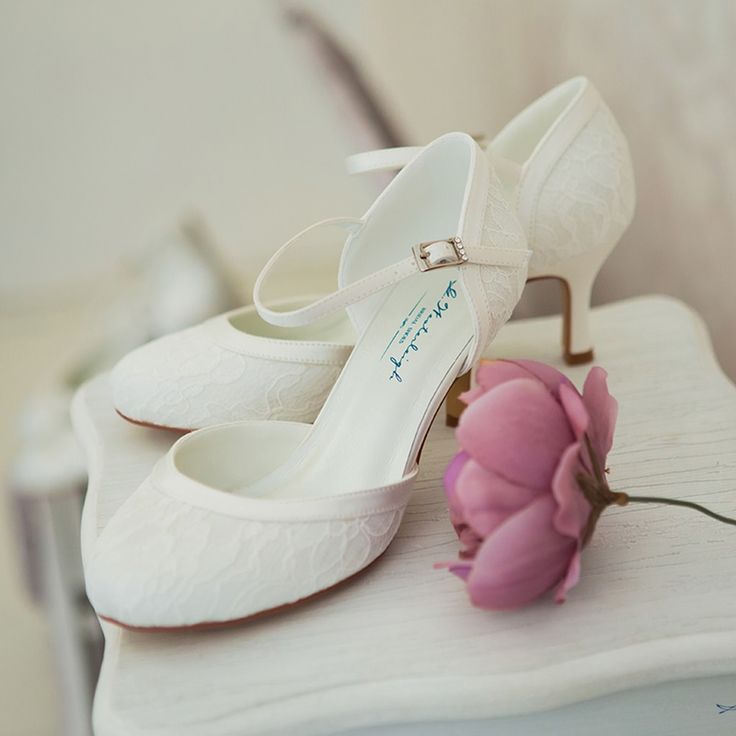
<point>400,648</point>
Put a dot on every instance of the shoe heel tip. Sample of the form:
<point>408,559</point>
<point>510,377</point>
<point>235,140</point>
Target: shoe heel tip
<point>579,358</point>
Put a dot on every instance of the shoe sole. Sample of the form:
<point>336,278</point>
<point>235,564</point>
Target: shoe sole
<point>151,425</point>
<point>231,623</point>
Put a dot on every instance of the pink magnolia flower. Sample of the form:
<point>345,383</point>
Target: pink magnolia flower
<point>519,491</point>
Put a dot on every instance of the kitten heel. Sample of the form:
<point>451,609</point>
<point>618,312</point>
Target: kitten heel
<point>577,343</point>
<point>577,277</point>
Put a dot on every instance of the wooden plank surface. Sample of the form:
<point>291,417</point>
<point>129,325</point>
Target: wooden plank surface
<point>401,644</point>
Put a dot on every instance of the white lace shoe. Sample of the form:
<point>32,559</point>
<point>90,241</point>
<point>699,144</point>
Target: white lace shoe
<point>564,163</point>
<point>233,366</point>
<point>252,516</point>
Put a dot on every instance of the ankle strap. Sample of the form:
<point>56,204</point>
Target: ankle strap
<point>421,257</point>
<point>383,159</point>
<point>394,159</point>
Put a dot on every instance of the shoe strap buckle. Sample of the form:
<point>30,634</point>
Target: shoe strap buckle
<point>440,253</point>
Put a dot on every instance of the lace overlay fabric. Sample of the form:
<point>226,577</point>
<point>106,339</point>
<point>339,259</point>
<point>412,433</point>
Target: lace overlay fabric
<point>162,559</point>
<point>587,200</point>
<point>186,381</point>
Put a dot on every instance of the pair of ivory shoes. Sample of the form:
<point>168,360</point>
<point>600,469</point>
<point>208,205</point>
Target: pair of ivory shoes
<point>259,509</point>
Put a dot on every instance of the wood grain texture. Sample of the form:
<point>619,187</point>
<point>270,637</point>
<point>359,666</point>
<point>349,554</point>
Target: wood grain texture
<point>401,644</point>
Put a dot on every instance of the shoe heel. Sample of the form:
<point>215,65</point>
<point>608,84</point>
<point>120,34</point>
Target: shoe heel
<point>453,406</point>
<point>577,277</point>
<point>577,343</point>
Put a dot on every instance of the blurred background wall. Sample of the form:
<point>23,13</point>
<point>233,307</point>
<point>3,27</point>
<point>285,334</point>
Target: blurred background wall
<point>118,116</point>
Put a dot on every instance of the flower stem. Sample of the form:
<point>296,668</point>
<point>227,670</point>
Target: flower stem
<point>625,498</point>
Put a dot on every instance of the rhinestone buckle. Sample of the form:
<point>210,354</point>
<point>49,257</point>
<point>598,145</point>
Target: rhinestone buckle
<point>440,253</point>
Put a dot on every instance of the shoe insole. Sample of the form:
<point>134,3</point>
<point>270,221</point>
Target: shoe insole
<point>335,328</point>
<point>389,390</point>
<point>417,332</point>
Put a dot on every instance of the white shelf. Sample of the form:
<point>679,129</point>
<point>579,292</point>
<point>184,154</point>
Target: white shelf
<point>401,644</point>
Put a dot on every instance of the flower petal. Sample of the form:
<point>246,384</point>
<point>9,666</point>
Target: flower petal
<point>469,540</point>
<point>603,410</point>
<point>573,508</point>
<point>450,479</point>
<point>487,499</point>
<point>467,397</point>
<point>547,374</point>
<point>577,413</point>
<point>517,430</point>
<point>461,569</point>
<point>521,560</point>
<point>570,580</point>
<point>493,373</point>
